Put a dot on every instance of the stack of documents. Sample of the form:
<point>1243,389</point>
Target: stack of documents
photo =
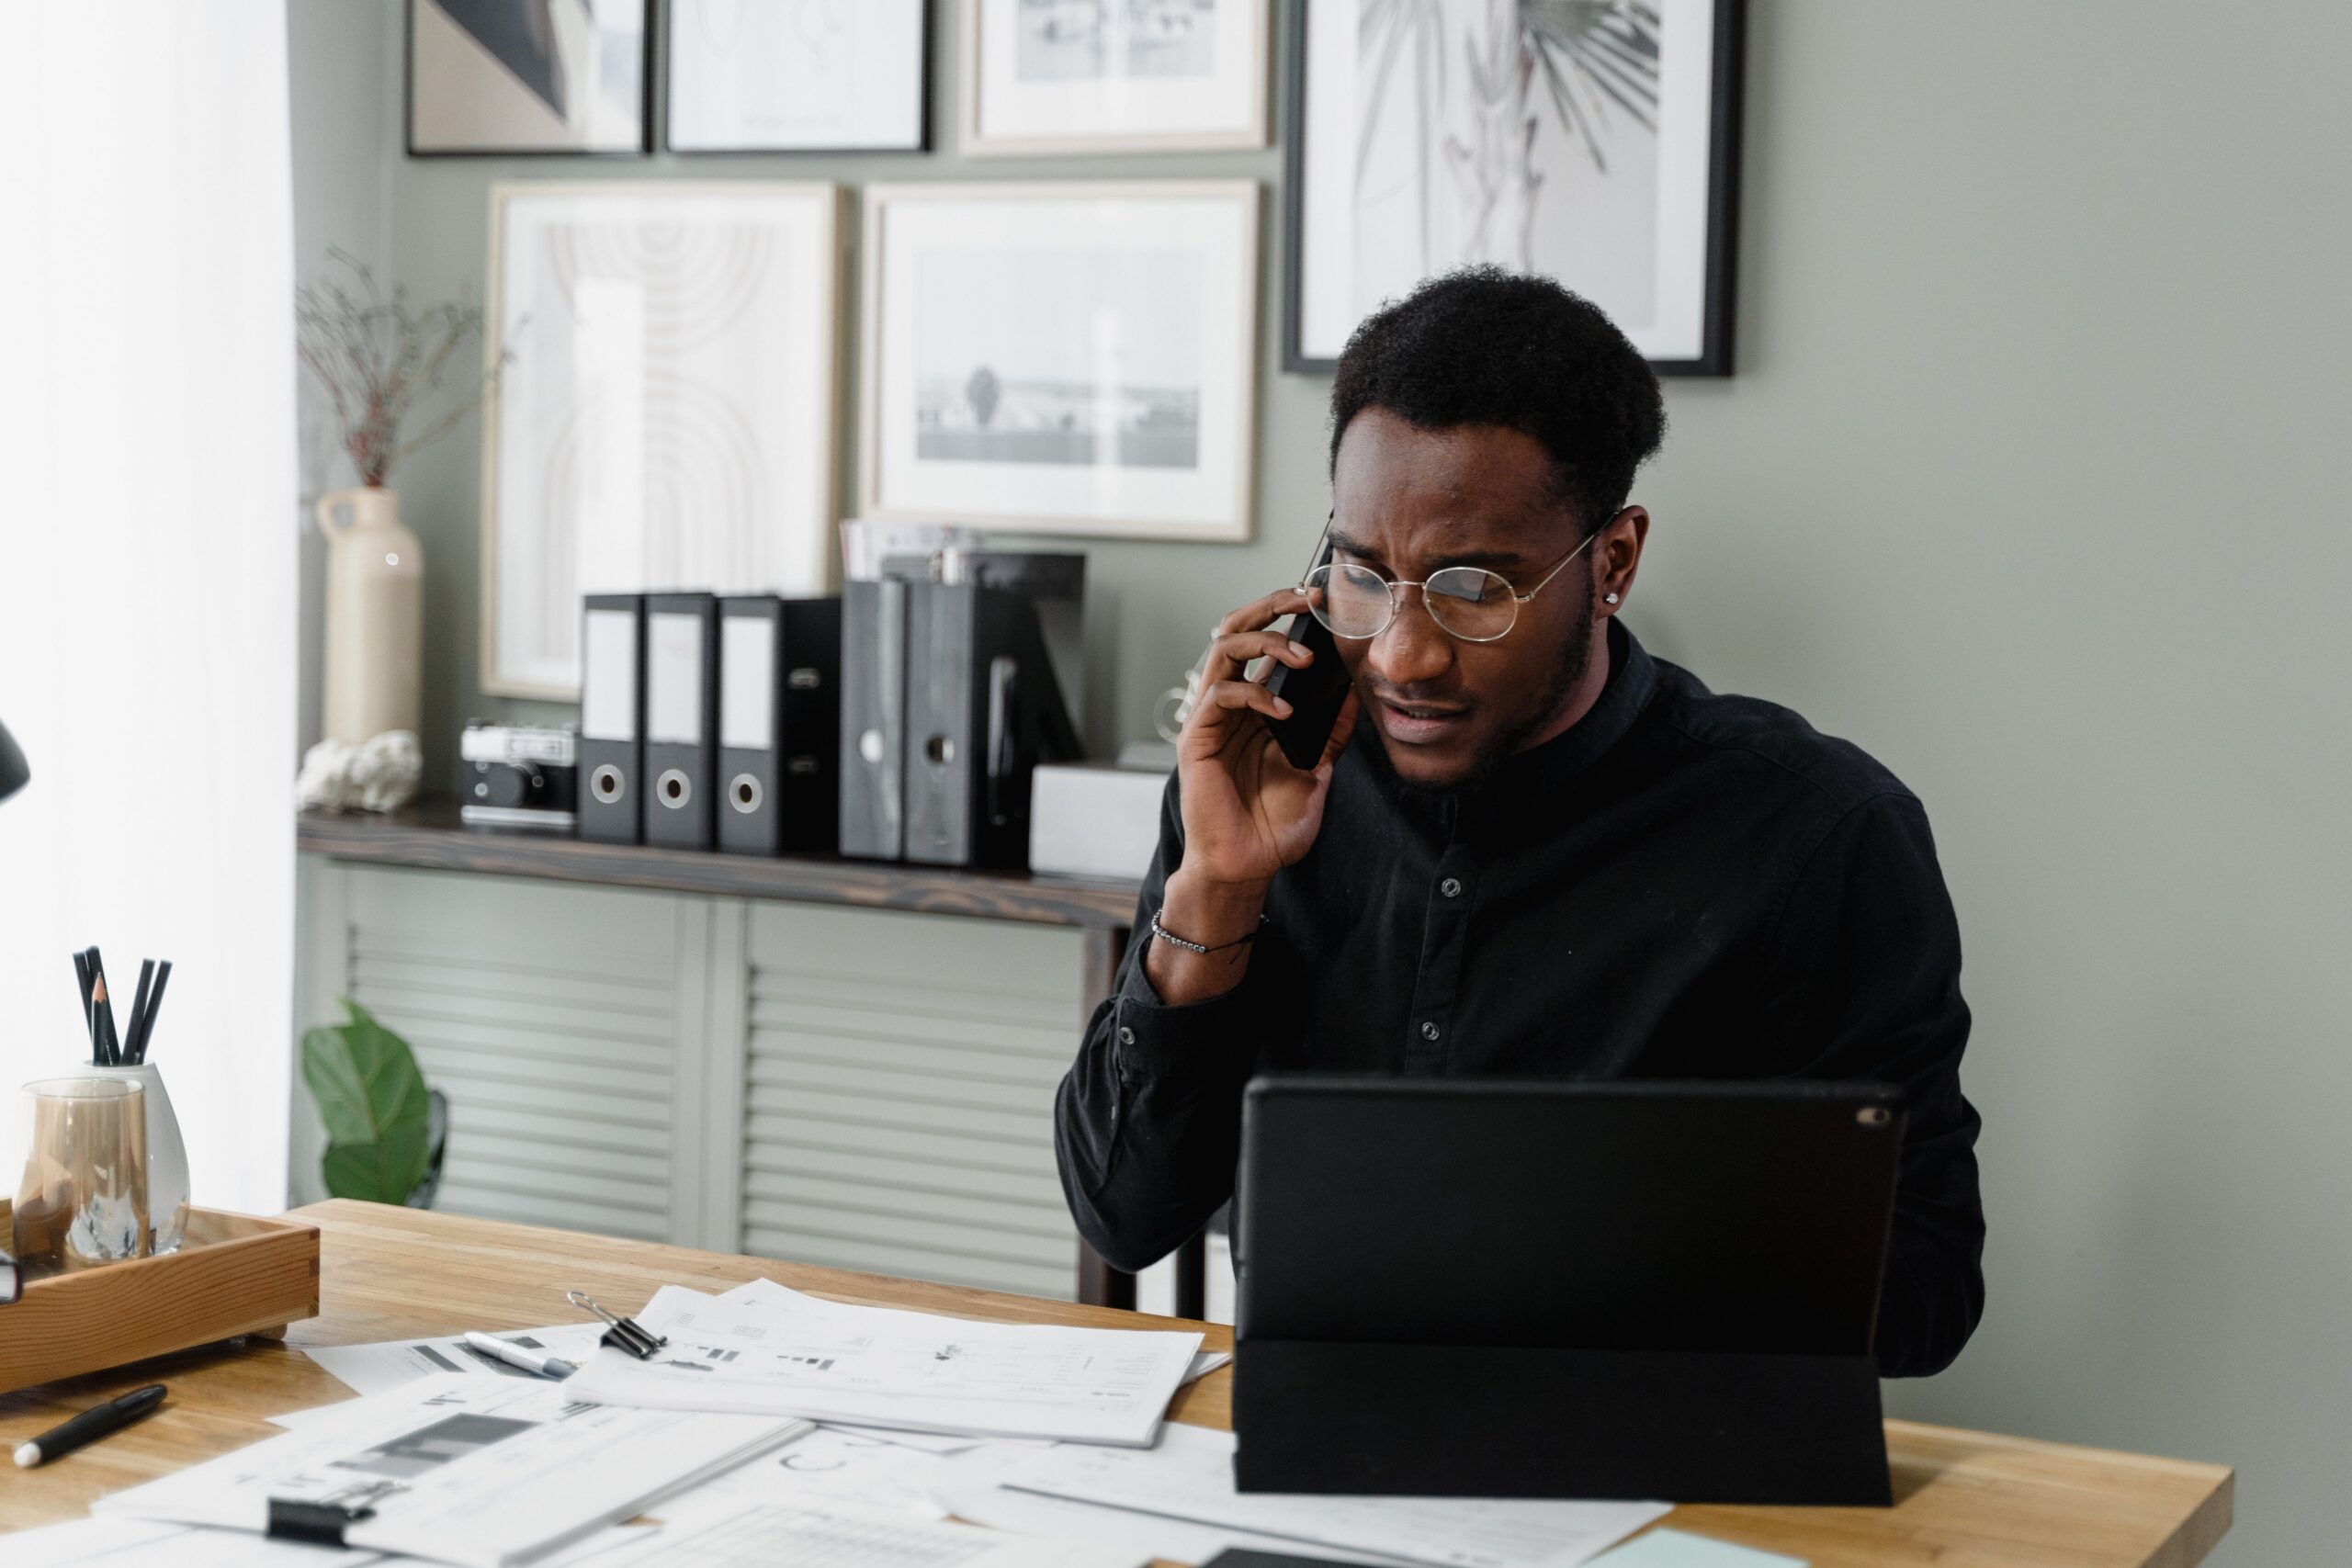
<point>481,1471</point>
<point>768,1351</point>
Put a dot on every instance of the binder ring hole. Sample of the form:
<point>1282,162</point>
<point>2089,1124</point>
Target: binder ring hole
<point>940,748</point>
<point>744,794</point>
<point>674,789</point>
<point>607,783</point>
<point>1872,1115</point>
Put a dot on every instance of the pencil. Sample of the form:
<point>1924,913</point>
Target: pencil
<point>138,1011</point>
<point>109,1044</point>
<point>145,1028</point>
<point>82,983</point>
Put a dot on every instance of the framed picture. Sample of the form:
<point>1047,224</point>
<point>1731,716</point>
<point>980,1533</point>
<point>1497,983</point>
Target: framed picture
<point>667,414</point>
<point>1125,75</point>
<point>1062,358</point>
<point>508,76</point>
<point>1597,143</point>
<point>798,75</point>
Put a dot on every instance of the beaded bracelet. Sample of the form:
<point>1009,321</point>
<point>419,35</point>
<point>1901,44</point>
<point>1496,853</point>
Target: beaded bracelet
<point>1164,934</point>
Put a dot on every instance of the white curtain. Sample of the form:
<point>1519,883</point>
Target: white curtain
<point>147,567</point>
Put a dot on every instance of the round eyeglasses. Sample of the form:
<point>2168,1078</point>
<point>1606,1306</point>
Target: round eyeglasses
<point>1469,602</point>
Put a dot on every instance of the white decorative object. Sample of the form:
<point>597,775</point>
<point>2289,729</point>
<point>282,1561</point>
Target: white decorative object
<point>379,775</point>
<point>667,416</point>
<point>1596,143</point>
<point>1062,358</point>
<point>374,616</point>
<point>797,75</point>
<point>1139,75</point>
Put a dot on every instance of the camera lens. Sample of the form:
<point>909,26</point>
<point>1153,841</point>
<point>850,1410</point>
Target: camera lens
<point>509,785</point>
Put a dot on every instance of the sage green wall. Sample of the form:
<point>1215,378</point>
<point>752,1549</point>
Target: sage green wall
<point>2031,481</point>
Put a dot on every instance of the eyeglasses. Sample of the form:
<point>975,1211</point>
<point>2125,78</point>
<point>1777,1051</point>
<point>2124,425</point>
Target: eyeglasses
<point>1469,602</point>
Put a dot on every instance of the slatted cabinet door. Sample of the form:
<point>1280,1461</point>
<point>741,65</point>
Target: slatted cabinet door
<point>900,1074</point>
<point>564,1025</point>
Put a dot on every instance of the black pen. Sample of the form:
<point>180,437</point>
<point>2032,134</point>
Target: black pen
<point>90,1426</point>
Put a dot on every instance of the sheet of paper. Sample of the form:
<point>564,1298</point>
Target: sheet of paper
<point>824,1464</point>
<point>1152,1534</point>
<point>785,1354</point>
<point>1679,1549</point>
<point>145,1543</point>
<point>481,1471</point>
<point>1190,1476</point>
<point>372,1369</point>
<point>1205,1363</point>
<point>841,1535</point>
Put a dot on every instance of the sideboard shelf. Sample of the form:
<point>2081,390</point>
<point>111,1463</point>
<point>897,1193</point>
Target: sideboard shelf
<point>427,836</point>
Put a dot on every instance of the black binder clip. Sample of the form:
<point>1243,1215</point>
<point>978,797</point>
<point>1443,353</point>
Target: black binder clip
<point>314,1524</point>
<point>621,1333</point>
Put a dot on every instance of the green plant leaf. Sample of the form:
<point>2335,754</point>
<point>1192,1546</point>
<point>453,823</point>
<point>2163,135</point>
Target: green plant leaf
<point>373,1101</point>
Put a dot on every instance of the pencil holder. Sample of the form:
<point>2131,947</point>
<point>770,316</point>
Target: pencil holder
<point>167,1194</point>
<point>84,1202</point>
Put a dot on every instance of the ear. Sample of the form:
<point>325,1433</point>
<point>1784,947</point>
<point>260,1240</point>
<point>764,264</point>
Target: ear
<point>1616,557</point>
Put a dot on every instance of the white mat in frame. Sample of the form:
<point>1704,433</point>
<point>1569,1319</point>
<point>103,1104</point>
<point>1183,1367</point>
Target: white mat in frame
<point>669,417</point>
<point>1071,357</point>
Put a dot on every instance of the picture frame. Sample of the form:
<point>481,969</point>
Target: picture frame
<point>522,78</point>
<point>667,413</point>
<point>1075,76</point>
<point>1366,164</point>
<point>1061,358</point>
<point>750,76</point>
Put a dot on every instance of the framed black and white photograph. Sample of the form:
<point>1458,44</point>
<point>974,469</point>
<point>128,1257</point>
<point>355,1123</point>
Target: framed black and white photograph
<point>1062,358</point>
<point>497,77</point>
<point>1596,142</point>
<point>1114,75</point>
<point>667,411</point>
<point>798,75</point>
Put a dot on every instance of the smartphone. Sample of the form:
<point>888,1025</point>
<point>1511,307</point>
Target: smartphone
<point>1316,693</point>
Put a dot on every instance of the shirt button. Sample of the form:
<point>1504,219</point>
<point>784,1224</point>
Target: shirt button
<point>1126,1035</point>
<point>1429,1032</point>
<point>1450,887</point>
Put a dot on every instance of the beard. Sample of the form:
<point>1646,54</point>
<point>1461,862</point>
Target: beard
<point>1530,719</point>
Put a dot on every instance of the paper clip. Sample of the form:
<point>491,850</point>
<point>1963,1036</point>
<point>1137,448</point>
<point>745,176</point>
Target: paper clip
<point>622,1333</point>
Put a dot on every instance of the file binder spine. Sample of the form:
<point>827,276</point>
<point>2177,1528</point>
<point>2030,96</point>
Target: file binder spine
<point>681,718</point>
<point>779,732</point>
<point>612,717</point>
<point>872,718</point>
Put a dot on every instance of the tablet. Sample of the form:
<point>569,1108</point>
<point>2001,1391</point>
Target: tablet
<point>1732,1217</point>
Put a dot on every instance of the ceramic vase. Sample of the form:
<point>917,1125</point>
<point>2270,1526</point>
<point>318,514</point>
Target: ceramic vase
<point>374,616</point>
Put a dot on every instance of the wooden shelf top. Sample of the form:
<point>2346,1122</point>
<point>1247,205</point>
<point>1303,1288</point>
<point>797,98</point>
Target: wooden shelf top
<point>427,836</point>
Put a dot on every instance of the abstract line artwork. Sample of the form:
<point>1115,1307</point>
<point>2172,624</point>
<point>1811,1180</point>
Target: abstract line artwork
<point>667,418</point>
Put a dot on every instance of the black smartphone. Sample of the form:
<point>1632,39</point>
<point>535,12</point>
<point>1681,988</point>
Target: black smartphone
<point>1316,693</point>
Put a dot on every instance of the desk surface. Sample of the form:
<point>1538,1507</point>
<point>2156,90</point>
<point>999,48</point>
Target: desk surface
<point>1965,1499</point>
<point>426,836</point>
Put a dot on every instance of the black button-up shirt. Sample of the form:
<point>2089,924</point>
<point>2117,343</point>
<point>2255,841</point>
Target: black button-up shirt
<point>1680,885</point>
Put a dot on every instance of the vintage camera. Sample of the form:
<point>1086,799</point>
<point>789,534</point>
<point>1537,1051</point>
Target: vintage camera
<point>520,775</point>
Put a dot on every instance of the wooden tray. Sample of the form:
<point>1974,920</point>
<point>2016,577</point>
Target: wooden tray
<point>234,1274</point>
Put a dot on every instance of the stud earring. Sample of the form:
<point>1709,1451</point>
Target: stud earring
<point>1609,598</point>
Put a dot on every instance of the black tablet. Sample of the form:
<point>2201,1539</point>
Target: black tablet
<point>1727,1217</point>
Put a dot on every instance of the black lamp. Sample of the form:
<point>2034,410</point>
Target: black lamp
<point>13,771</point>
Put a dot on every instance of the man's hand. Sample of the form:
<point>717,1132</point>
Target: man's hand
<point>1247,812</point>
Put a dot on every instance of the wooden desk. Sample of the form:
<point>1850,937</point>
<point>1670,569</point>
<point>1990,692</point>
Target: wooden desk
<point>1965,1499</point>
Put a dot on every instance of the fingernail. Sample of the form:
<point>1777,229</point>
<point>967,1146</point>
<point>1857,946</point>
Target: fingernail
<point>1281,707</point>
<point>1302,649</point>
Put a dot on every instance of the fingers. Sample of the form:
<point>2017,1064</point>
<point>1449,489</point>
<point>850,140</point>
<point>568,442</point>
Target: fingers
<point>1237,696</point>
<point>1237,651</point>
<point>1224,661</point>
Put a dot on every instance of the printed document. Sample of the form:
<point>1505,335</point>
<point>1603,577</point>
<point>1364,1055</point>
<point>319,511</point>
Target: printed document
<point>372,1369</point>
<point>1190,1476</point>
<point>842,1535</point>
<point>479,1472</point>
<point>785,1354</point>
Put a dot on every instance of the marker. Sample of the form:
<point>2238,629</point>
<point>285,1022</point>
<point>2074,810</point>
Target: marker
<point>90,1426</point>
<point>515,1355</point>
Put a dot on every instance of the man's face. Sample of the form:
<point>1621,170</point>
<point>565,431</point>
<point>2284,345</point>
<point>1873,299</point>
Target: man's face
<point>1408,502</point>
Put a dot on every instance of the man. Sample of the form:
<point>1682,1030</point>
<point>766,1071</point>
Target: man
<point>1530,848</point>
